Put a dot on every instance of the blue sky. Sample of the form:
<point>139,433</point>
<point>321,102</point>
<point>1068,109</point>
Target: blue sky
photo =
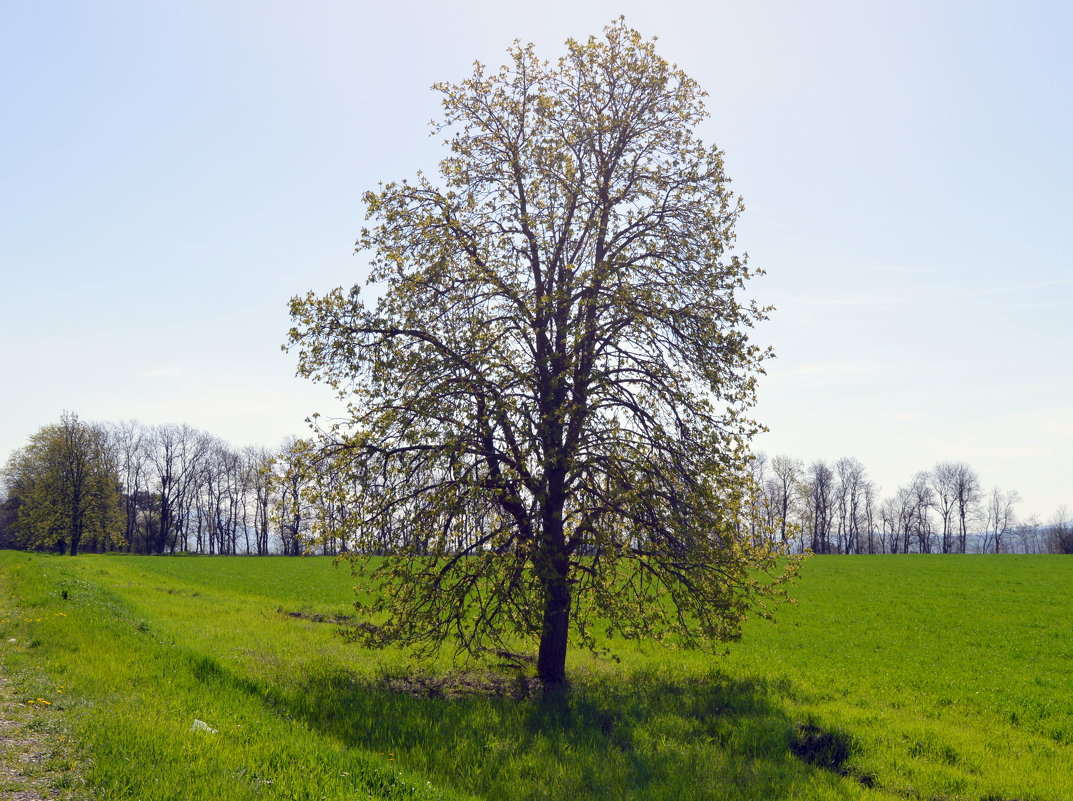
<point>173,173</point>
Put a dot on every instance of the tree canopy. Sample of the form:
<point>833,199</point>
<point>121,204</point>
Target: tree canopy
<point>547,402</point>
<point>63,487</point>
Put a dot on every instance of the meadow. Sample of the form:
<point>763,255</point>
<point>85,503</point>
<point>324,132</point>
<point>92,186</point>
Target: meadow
<point>895,677</point>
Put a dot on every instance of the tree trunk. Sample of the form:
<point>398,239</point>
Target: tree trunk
<point>551,659</point>
<point>76,523</point>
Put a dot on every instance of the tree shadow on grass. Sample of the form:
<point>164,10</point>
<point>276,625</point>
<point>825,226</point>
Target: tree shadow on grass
<point>611,736</point>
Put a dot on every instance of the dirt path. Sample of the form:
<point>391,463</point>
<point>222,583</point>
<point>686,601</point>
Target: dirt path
<point>21,751</point>
<point>32,761</point>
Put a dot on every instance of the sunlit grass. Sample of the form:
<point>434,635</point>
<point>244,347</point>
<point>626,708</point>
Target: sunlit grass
<point>938,678</point>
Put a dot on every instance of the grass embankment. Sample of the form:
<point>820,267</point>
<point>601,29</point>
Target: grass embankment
<point>898,677</point>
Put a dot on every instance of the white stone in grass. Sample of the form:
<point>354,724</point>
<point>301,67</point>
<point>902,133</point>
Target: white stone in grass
<point>200,725</point>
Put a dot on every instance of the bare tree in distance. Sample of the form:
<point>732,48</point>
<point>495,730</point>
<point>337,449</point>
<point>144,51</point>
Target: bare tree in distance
<point>945,478</point>
<point>788,486</point>
<point>923,502</point>
<point>821,498</point>
<point>853,495</point>
<point>967,497</point>
<point>1028,532</point>
<point>1058,535</point>
<point>128,441</point>
<point>1000,518</point>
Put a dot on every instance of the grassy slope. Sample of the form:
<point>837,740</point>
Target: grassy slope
<point>951,676</point>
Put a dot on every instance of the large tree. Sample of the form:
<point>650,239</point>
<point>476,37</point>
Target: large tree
<point>64,487</point>
<point>547,400</point>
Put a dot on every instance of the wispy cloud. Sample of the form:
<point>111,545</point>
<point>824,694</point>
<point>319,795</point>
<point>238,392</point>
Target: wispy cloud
<point>901,417</point>
<point>1006,290</point>
<point>1042,304</point>
<point>850,300</point>
<point>1045,423</point>
<point>834,369</point>
<point>1011,441</point>
<point>828,373</point>
<point>883,269</point>
<point>1014,294</point>
<point>160,372</point>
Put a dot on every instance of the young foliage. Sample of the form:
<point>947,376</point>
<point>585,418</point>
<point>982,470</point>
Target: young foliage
<point>64,485</point>
<point>547,400</point>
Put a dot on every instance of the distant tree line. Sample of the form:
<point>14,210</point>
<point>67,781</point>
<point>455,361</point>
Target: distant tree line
<point>81,486</point>
<point>836,508</point>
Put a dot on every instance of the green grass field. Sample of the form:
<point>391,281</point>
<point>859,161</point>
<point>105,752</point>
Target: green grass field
<point>892,678</point>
